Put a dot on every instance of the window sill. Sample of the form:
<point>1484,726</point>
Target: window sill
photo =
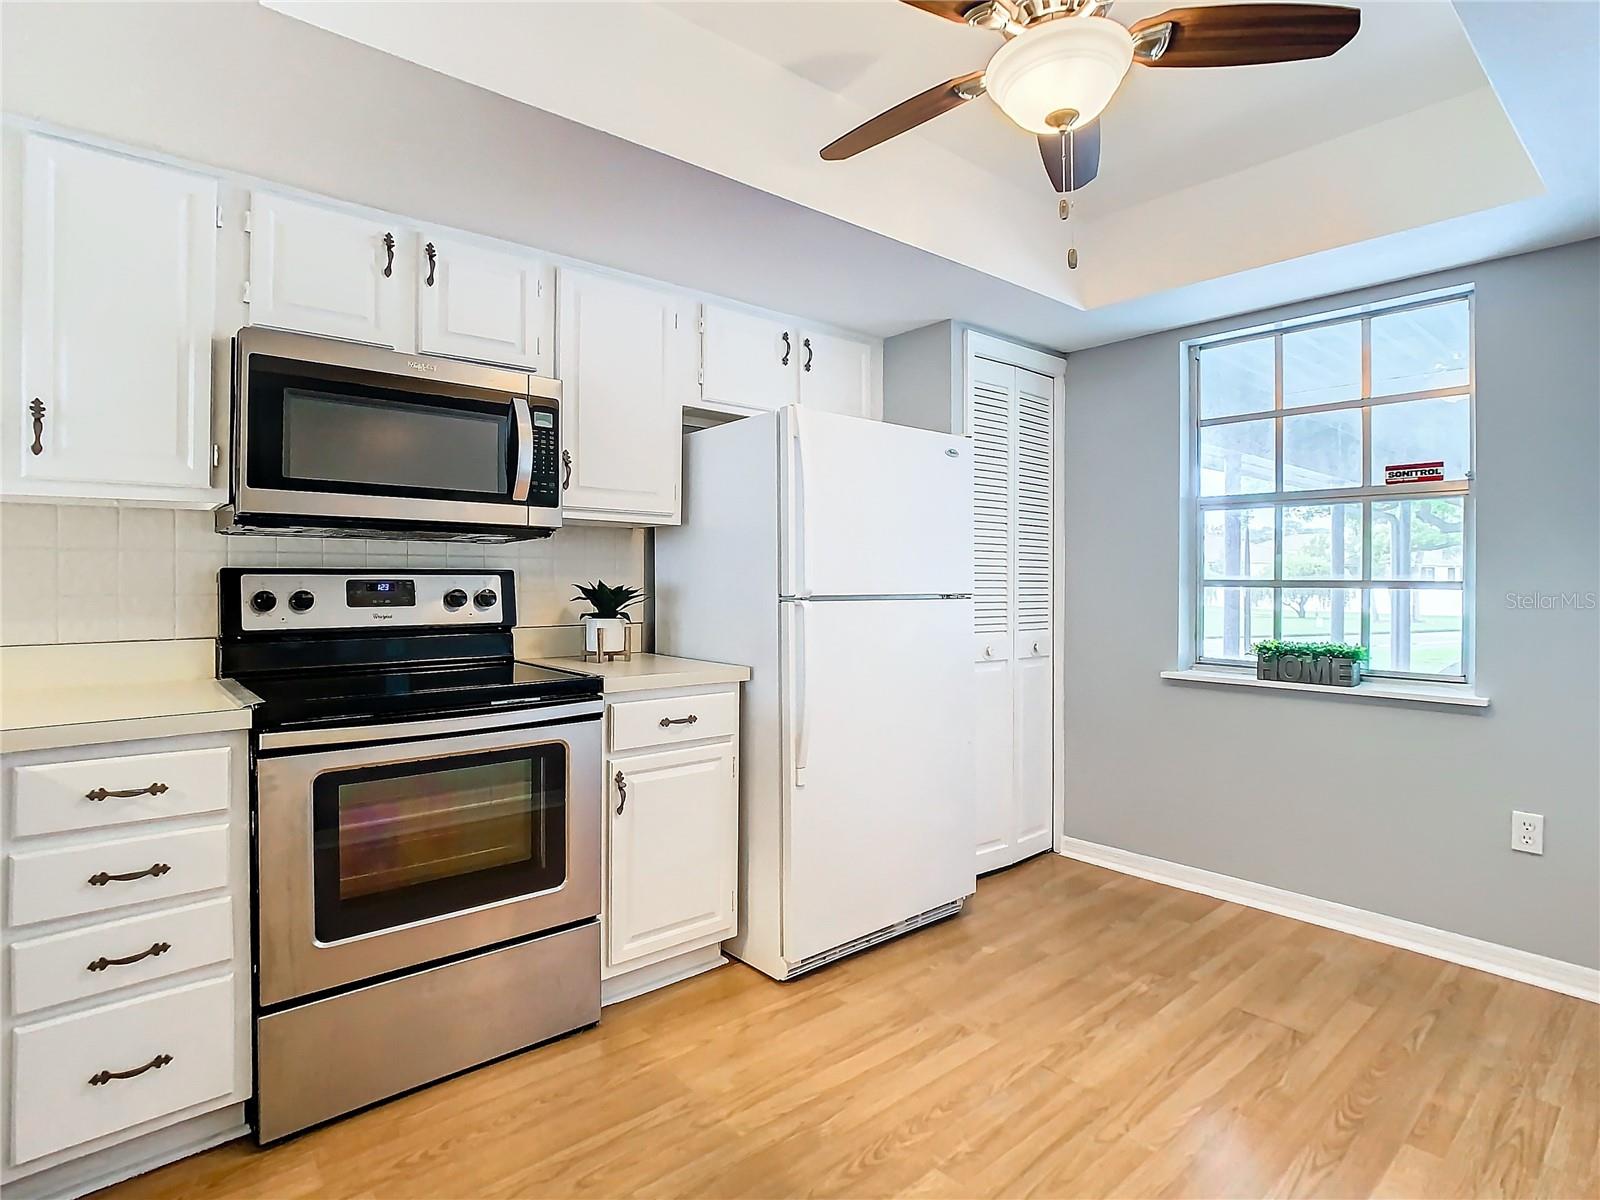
<point>1451,695</point>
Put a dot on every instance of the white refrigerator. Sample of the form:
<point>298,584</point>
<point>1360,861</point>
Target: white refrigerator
<point>833,556</point>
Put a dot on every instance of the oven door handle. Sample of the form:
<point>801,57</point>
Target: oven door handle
<point>524,416</point>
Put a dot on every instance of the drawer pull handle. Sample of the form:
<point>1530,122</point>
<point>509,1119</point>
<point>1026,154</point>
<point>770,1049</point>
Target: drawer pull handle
<point>99,794</point>
<point>622,791</point>
<point>155,1064</point>
<point>36,411</point>
<point>433,261</point>
<point>668,721</point>
<point>155,951</point>
<point>566,463</point>
<point>388,249</point>
<point>101,878</point>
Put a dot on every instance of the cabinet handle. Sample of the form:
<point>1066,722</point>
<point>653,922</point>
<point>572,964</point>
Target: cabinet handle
<point>155,1064</point>
<point>99,794</point>
<point>810,354</point>
<point>388,248</point>
<point>36,409</point>
<point>101,878</point>
<point>566,462</point>
<point>689,720</point>
<point>155,951</point>
<point>784,361</point>
<point>622,791</point>
<point>432,261</point>
<point>1036,647</point>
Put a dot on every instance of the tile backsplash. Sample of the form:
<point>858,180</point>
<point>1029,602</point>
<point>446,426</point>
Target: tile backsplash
<point>89,573</point>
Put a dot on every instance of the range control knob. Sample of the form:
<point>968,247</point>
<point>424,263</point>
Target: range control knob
<point>263,601</point>
<point>454,599</point>
<point>301,601</point>
<point>486,598</point>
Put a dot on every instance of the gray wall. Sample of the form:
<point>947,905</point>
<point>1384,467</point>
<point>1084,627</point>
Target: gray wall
<point>1395,808</point>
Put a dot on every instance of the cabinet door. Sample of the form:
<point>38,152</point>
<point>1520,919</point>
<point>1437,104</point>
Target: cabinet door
<point>320,270</point>
<point>1032,706</point>
<point>118,303</point>
<point>750,361</point>
<point>625,357</point>
<point>673,851</point>
<point>994,752</point>
<point>482,304</point>
<point>835,374</point>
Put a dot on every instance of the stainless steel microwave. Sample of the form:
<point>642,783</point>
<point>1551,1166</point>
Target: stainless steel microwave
<point>339,439</point>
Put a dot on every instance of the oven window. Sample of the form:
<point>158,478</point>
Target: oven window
<point>353,440</point>
<point>403,842</point>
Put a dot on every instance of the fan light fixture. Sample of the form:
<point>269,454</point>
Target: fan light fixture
<point>1060,75</point>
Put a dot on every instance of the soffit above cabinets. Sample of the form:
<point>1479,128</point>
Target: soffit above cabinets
<point>1204,173</point>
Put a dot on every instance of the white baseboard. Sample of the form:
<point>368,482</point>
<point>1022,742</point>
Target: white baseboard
<point>661,974</point>
<point>1552,973</point>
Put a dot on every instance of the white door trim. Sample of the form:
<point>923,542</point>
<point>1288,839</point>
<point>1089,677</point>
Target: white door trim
<point>1507,961</point>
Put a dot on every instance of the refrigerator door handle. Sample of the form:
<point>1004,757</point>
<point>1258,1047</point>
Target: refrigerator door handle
<point>802,743</point>
<point>799,529</point>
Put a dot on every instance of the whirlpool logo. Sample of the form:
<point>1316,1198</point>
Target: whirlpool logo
<point>416,364</point>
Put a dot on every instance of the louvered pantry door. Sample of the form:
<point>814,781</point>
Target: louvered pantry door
<point>1009,419</point>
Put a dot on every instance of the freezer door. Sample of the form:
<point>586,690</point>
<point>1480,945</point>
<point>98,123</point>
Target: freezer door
<point>874,509</point>
<point>878,766</point>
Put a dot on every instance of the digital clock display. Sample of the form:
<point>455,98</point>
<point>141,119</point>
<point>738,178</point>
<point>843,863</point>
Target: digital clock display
<point>380,593</point>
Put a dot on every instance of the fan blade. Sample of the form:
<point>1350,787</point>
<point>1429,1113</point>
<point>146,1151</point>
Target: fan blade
<point>1237,35</point>
<point>950,10</point>
<point>908,114</point>
<point>1082,159</point>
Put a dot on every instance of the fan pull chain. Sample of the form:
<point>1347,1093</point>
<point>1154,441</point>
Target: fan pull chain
<point>1069,170</point>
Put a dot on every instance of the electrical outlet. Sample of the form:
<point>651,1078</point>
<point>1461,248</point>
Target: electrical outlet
<point>1527,832</point>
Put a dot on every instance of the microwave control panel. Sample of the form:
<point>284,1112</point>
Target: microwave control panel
<point>544,490</point>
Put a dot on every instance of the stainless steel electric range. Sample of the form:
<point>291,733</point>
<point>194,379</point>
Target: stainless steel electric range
<point>426,833</point>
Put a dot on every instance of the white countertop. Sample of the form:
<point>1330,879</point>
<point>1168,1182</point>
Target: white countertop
<point>650,672</point>
<point>80,695</point>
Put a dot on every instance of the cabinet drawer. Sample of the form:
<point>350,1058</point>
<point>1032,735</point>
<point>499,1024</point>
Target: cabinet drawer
<point>85,962</point>
<point>65,1092</point>
<point>55,797</point>
<point>46,884</point>
<point>637,723</point>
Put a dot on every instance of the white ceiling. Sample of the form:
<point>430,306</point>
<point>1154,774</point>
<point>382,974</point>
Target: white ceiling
<point>1205,174</point>
<point>243,88</point>
<point>1165,128</point>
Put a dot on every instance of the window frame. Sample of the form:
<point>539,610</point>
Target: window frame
<point>1194,507</point>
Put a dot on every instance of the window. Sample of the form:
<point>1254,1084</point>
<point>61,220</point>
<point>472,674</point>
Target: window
<point>1295,434</point>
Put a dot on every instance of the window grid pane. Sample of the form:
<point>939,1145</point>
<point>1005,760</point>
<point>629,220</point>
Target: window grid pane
<point>1420,616</point>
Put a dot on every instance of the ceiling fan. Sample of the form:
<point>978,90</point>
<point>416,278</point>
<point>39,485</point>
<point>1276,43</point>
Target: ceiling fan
<point>1063,61</point>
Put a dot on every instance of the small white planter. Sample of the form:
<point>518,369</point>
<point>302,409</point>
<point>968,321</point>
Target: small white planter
<point>605,637</point>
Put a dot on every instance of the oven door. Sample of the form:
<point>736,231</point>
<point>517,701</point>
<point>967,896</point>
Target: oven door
<point>376,858</point>
<point>344,433</point>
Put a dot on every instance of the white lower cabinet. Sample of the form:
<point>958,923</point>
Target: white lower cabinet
<point>672,837</point>
<point>116,1067</point>
<point>124,998</point>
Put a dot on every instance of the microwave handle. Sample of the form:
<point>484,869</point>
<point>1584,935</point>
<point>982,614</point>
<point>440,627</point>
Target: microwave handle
<point>519,489</point>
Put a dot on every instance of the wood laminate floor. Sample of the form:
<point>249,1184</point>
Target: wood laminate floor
<point>1075,1033</point>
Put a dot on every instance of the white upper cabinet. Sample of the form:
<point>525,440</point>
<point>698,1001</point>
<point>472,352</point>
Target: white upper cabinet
<point>626,361</point>
<point>324,270</point>
<point>118,301</point>
<point>749,360</point>
<point>761,362</point>
<point>835,374</point>
<point>485,304</point>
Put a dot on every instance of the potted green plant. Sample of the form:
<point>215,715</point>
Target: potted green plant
<point>605,627</point>
<point>1333,664</point>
